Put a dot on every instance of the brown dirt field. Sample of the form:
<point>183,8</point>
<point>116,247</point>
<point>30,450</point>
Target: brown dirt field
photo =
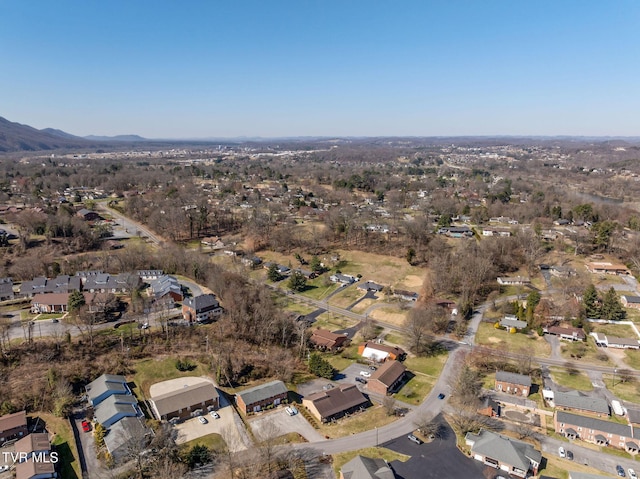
<point>389,315</point>
<point>412,282</point>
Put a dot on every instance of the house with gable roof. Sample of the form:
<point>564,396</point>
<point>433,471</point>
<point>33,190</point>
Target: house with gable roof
<point>361,467</point>
<point>502,452</point>
<point>512,383</point>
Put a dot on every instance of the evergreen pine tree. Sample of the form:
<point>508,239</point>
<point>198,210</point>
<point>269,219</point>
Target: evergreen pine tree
<point>590,302</point>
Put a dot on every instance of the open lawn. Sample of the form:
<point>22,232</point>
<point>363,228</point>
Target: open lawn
<point>373,417</point>
<point>300,308</point>
<point>388,455</point>
<point>392,314</point>
<point>416,389</point>
<point>583,351</point>
<point>346,297</point>
<point>519,342</point>
<point>362,306</point>
<point>628,391</point>
<point>632,358</point>
<point>395,339</point>
<point>64,443</point>
<point>151,371</point>
<point>579,380</point>
<point>385,270</point>
<point>341,360</point>
<point>333,322</point>
<point>214,442</point>
<point>431,366</point>
<point>619,330</point>
<point>320,287</point>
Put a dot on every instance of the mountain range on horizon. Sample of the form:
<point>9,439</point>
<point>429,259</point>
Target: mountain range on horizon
<point>16,137</point>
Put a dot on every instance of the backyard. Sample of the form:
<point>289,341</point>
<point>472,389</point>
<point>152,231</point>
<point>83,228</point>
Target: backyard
<point>498,338</point>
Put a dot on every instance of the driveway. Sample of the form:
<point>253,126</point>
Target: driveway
<point>435,460</point>
<point>229,426</point>
<point>350,373</point>
<point>89,463</point>
<point>313,386</point>
<point>278,422</point>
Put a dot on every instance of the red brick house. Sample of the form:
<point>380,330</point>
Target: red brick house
<point>512,383</point>
<point>387,378</point>
<point>326,340</point>
<point>598,431</point>
<point>13,426</point>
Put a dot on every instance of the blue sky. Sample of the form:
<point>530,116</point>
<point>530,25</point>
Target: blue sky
<point>169,69</point>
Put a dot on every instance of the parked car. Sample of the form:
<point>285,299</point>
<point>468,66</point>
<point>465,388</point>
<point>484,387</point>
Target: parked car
<point>570,455</point>
<point>203,420</point>
<point>561,452</point>
<point>54,320</point>
<point>214,415</point>
<point>291,411</point>
<point>366,374</point>
<point>327,386</point>
<point>620,471</point>
<point>4,468</point>
<point>441,396</point>
<point>373,368</point>
<point>413,438</point>
<point>361,380</point>
<point>86,427</point>
<point>632,473</point>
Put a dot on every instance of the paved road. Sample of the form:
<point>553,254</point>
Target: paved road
<point>131,226</point>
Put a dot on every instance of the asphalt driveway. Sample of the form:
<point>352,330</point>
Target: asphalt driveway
<point>278,422</point>
<point>436,460</point>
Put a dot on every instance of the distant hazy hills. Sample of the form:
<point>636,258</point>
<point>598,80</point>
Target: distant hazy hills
<point>18,137</point>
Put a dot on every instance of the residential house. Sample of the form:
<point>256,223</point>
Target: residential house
<point>371,286</point>
<point>34,444</point>
<point>456,231</point>
<point>513,280</point>
<point>201,308</point>
<point>280,268</point>
<point>105,386</point>
<point>326,340</point>
<point>405,295</point>
<point>87,215</point>
<point>579,402</point>
<point>629,301</point>
<point>334,403</point>
<point>13,426</point>
<point>342,278</point>
<point>387,378</point>
<point>597,431</point>
<point>106,283</point>
<point>489,407</point>
<point>562,271</point>
<point>361,467</point>
<point>505,453</point>
<point>512,383</point>
<point>182,398</point>
<point>36,470</point>
<point>60,284</point>
<point>495,231</point>
<point>615,342</point>
<point>305,272</point>
<point>6,289</point>
<point>115,407</point>
<point>607,268</point>
<point>511,322</point>
<point>147,275</point>
<point>214,242</point>
<point>257,398</point>
<point>165,286</point>
<point>251,261</point>
<point>125,436</point>
<point>566,333</point>
<point>380,352</point>
<point>50,303</point>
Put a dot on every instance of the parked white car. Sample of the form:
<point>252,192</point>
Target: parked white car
<point>291,410</point>
<point>365,374</point>
<point>561,452</point>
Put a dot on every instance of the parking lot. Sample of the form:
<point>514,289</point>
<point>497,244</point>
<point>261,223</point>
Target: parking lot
<point>229,426</point>
<point>346,376</point>
<point>278,422</point>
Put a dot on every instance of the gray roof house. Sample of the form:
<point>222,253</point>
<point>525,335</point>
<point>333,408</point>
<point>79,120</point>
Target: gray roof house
<point>361,467</point>
<point>265,394</point>
<point>6,289</point>
<point>116,407</point>
<point>581,402</point>
<point>511,322</point>
<point>597,431</point>
<point>515,457</point>
<point>105,386</point>
<point>124,437</point>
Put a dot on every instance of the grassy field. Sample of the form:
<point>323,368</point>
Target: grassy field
<point>300,308</point>
<point>632,358</point>
<point>319,288</point>
<point>214,442</point>
<point>532,343</point>
<point>587,350</point>
<point>416,389</point>
<point>431,366</point>
<point>393,314</point>
<point>373,417</point>
<point>346,297</point>
<point>341,360</point>
<point>150,371</point>
<point>395,338</point>
<point>579,381</point>
<point>628,391</point>
<point>332,322</point>
<point>388,455</point>
<point>362,306</point>
<point>65,445</point>
<point>619,330</point>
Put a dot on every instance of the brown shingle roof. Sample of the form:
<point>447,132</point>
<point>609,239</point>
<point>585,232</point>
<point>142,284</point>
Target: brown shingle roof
<point>334,401</point>
<point>29,469</point>
<point>11,421</point>
<point>38,441</point>
<point>185,397</point>
<point>388,373</point>
<point>325,338</point>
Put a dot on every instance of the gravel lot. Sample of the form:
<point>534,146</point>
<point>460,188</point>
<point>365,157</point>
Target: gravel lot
<point>261,425</point>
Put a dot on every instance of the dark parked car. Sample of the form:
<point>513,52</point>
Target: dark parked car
<point>441,396</point>
<point>361,380</point>
<point>620,471</point>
